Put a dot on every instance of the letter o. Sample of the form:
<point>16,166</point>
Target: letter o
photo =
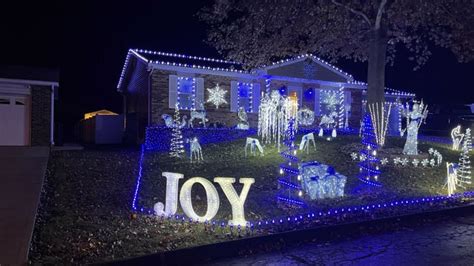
<point>212,196</point>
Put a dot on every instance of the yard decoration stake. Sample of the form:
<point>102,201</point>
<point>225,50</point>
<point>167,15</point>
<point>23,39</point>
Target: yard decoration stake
<point>185,198</point>
<point>172,180</point>
<point>237,202</point>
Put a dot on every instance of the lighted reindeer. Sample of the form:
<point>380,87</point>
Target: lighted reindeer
<point>196,150</point>
<point>198,115</point>
<point>253,143</point>
<point>328,121</point>
<point>304,145</point>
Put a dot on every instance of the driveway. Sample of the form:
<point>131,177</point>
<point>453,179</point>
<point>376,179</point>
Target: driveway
<point>22,172</point>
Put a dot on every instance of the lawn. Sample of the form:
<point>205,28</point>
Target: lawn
<point>85,214</point>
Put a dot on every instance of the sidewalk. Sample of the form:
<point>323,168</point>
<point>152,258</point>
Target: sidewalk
<point>22,172</point>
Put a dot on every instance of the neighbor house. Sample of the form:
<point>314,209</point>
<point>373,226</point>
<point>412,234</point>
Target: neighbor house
<point>153,83</point>
<point>27,98</point>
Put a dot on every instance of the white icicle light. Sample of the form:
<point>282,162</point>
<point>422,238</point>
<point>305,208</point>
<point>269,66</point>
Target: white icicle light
<point>380,120</point>
<point>185,198</point>
<point>172,180</point>
<point>236,201</point>
<point>274,115</point>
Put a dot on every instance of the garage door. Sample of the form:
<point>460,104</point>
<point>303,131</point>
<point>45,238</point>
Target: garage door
<point>14,120</point>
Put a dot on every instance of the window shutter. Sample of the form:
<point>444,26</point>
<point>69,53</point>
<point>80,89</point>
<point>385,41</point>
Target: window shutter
<point>234,94</point>
<point>172,91</point>
<point>255,97</point>
<point>199,100</point>
<point>317,102</point>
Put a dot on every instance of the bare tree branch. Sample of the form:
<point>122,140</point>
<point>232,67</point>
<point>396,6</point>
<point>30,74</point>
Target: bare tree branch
<point>378,19</point>
<point>360,13</point>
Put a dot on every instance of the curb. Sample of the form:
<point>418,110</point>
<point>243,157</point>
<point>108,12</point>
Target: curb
<point>241,247</point>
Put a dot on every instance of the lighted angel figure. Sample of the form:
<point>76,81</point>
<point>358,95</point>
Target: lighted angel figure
<point>457,137</point>
<point>415,118</point>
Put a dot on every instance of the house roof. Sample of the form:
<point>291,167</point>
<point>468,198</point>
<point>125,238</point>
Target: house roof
<point>29,73</point>
<point>315,59</point>
<point>181,60</point>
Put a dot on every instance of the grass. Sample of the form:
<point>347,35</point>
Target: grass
<point>228,160</point>
<point>85,212</point>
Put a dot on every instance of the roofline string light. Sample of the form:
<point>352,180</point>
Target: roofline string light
<point>351,80</point>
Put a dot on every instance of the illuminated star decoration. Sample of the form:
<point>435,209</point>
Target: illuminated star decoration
<point>216,96</point>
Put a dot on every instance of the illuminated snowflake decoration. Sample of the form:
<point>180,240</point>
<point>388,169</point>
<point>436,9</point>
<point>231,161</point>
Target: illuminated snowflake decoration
<point>354,156</point>
<point>425,162</point>
<point>416,162</point>
<point>384,161</point>
<point>216,96</point>
<point>404,162</point>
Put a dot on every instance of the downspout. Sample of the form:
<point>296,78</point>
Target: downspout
<point>52,116</point>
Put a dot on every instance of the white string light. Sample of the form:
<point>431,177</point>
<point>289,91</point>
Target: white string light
<point>236,201</point>
<point>185,199</point>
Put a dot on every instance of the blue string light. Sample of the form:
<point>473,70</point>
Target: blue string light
<point>288,171</point>
<point>369,167</point>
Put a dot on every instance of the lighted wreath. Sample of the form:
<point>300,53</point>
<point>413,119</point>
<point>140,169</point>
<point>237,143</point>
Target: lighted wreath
<point>305,117</point>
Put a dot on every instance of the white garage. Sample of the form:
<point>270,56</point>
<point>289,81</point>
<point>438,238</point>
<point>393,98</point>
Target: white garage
<point>27,97</point>
<point>14,119</point>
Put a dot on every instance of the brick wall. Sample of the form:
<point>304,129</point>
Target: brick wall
<point>223,115</point>
<point>40,115</point>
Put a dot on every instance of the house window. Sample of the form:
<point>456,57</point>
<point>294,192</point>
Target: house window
<point>186,93</point>
<point>244,98</point>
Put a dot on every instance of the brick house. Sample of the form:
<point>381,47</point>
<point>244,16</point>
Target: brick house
<point>152,83</point>
<point>27,98</point>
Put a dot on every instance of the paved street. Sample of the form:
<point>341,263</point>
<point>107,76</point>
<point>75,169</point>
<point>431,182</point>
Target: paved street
<point>445,241</point>
<point>21,177</point>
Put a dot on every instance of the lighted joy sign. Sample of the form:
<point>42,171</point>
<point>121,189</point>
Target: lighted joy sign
<point>236,201</point>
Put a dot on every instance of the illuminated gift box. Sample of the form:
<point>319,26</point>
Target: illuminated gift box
<point>321,181</point>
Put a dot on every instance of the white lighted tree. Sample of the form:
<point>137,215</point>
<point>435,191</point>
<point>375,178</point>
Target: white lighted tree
<point>415,118</point>
<point>464,171</point>
<point>176,146</point>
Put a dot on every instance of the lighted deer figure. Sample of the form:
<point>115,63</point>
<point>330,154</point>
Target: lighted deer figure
<point>196,150</point>
<point>253,143</point>
<point>305,140</point>
<point>198,115</point>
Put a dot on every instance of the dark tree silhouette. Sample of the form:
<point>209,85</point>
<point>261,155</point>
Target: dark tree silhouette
<point>257,32</point>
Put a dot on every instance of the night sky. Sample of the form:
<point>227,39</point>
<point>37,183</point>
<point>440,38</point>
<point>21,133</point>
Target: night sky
<point>88,42</point>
